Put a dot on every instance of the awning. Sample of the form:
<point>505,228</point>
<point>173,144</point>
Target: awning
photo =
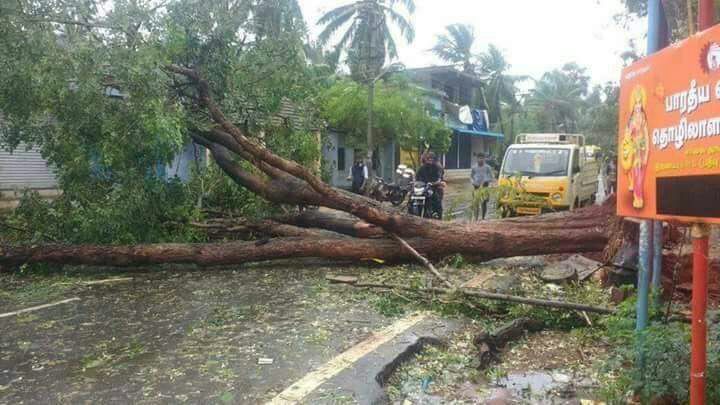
<point>465,131</point>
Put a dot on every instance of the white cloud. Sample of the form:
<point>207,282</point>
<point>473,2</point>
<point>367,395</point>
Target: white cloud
<point>536,36</point>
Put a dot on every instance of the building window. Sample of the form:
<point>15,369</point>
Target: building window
<point>341,159</point>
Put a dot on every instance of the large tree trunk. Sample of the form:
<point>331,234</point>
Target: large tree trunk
<point>580,231</point>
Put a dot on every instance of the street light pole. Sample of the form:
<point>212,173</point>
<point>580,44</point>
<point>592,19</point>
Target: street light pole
<point>370,141</point>
<point>371,101</point>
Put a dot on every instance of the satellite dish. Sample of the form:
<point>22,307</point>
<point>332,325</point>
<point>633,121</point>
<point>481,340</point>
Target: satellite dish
<point>465,115</point>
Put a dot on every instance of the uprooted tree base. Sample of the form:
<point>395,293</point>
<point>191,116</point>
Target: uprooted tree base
<point>364,234</point>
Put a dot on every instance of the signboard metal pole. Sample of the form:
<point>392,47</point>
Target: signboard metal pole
<point>657,258</point>
<point>698,362</point>
<point>644,269</point>
<point>646,248</point>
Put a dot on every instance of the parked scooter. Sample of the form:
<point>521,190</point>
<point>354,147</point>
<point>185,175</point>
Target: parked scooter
<point>423,201</point>
<point>394,192</point>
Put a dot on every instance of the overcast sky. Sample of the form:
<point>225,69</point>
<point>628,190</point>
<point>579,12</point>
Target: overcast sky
<point>536,36</point>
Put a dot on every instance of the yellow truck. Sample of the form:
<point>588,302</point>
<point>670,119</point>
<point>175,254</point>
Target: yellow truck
<point>547,172</point>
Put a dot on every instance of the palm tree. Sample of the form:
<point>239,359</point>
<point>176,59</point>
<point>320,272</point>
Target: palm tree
<point>368,41</point>
<point>500,87</point>
<point>559,97</point>
<point>274,17</point>
<point>367,38</point>
<point>456,46</point>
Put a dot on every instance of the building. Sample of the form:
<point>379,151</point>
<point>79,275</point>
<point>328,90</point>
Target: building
<point>447,90</point>
<point>338,158</point>
<point>24,168</point>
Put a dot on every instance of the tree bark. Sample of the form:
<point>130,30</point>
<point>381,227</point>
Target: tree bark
<point>335,221</point>
<point>483,241</point>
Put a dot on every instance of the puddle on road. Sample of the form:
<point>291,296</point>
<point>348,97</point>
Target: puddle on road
<point>545,387</point>
<point>528,385</point>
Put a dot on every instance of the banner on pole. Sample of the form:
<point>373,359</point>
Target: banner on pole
<point>669,133</point>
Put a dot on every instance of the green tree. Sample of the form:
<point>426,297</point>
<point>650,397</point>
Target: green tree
<point>367,38</point>
<point>500,87</point>
<point>599,118</point>
<point>400,110</point>
<point>456,46</point>
<point>368,41</point>
<point>60,64</point>
<point>558,96</point>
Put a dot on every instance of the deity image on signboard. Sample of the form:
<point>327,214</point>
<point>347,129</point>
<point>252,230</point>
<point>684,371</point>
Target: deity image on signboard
<point>636,146</point>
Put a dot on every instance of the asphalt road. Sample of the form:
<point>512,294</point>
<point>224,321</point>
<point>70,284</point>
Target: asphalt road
<point>175,336</point>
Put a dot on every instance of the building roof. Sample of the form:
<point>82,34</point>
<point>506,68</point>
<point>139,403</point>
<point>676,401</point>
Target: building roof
<point>465,131</point>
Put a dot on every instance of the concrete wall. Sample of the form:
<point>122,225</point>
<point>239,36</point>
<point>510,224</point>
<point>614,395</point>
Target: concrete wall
<point>331,152</point>
<point>335,144</point>
<point>25,168</point>
<point>186,161</point>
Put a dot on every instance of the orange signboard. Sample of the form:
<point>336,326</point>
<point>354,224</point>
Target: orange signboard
<point>669,133</point>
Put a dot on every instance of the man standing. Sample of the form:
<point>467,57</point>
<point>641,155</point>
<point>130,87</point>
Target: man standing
<point>481,176</point>
<point>358,174</point>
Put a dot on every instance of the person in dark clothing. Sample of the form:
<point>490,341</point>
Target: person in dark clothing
<point>358,175</point>
<point>432,172</point>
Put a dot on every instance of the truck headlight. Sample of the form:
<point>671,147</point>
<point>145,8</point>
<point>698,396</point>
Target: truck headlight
<point>557,197</point>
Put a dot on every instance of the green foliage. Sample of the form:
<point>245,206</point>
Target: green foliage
<point>86,84</point>
<point>676,11</point>
<point>147,211</point>
<point>217,191</point>
<point>456,46</point>
<point>510,195</point>
<point>665,348</point>
<point>399,114</point>
<point>586,293</point>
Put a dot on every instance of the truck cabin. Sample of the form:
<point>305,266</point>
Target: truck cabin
<point>543,155</point>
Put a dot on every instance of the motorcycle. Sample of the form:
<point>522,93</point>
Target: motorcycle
<point>423,201</point>
<point>394,192</point>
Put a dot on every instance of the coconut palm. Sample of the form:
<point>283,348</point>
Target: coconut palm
<point>456,46</point>
<point>558,95</point>
<point>366,35</point>
<point>500,87</point>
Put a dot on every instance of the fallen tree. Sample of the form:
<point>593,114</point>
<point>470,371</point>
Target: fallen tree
<point>482,241</point>
<point>284,181</point>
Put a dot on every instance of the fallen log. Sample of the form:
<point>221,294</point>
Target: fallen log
<point>482,241</point>
<point>516,299</point>
<point>336,221</point>
<point>422,260</point>
<point>245,229</point>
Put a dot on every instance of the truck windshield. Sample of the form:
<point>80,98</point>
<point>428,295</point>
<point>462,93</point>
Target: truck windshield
<point>536,162</point>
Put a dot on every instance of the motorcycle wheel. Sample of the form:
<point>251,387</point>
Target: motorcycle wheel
<point>397,197</point>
